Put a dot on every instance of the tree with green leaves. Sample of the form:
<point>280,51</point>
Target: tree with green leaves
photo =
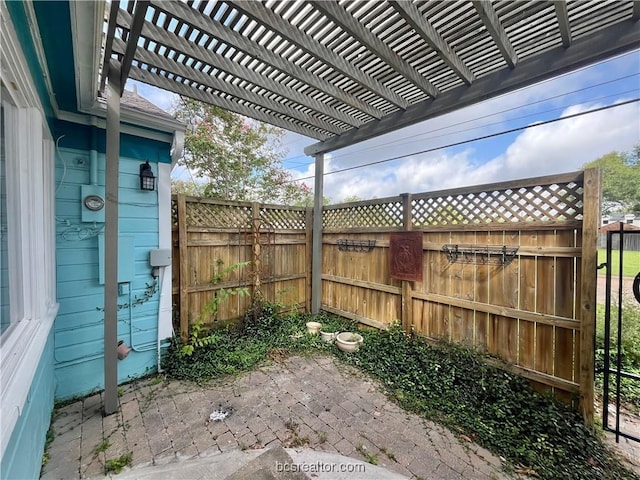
<point>236,158</point>
<point>620,180</point>
<point>192,189</point>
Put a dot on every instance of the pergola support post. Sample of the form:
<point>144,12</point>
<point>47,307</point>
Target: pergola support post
<point>316,262</point>
<point>111,243</point>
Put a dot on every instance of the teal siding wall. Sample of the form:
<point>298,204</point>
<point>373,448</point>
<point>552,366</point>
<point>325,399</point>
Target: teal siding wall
<point>79,328</point>
<point>79,137</point>
<point>23,457</point>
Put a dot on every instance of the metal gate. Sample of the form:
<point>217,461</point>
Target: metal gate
<point>614,315</point>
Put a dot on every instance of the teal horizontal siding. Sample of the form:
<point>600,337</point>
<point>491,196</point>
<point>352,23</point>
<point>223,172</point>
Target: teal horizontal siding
<point>78,137</point>
<point>23,456</point>
<point>79,328</point>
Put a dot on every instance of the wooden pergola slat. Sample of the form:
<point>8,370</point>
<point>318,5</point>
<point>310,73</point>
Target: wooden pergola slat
<point>340,17</point>
<point>262,14</point>
<point>230,37</point>
<point>412,15</point>
<point>160,81</point>
<point>209,57</point>
<point>492,23</point>
<point>563,21</point>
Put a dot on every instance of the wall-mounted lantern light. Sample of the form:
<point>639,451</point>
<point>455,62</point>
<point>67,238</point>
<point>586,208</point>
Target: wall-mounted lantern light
<point>147,178</point>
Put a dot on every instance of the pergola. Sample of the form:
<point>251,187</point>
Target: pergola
<point>340,72</point>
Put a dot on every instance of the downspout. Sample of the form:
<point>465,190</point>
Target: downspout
<point>164,182</point>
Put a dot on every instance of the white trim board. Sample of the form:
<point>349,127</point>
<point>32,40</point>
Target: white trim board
<point>31,234</point>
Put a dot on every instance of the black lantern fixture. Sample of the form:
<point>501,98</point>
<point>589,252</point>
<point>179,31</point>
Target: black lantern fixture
<point>147,178</point>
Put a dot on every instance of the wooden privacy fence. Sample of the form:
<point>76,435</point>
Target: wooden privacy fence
<point>211,236</point>
<point>537,310</point>
<point>508,267</point>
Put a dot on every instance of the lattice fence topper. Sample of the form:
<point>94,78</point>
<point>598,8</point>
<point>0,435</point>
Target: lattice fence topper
<point>388,214</point>
<point>218,216</point>
<point>542,203</point>
<point>283,218</point>
<point>174,214</point>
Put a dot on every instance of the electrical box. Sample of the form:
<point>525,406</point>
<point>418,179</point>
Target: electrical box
<point>124,288</point>
<point>92,203</point>
<point>160,257</point>
<point>126,260</point>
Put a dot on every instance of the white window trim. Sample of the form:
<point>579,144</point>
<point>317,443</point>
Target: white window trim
<point>31,235</point>
<point>165,317</point>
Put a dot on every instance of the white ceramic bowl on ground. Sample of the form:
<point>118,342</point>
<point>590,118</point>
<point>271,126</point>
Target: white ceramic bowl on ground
<point>349,341</point>
<point>313,327</point>
<point>328,336</point>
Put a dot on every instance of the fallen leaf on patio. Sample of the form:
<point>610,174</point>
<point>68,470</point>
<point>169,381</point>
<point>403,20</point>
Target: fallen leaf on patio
<point>526,471</point>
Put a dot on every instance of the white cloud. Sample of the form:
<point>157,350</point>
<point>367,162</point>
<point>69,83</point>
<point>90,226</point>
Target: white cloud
<point>567,145</point>
<point>542,150</point>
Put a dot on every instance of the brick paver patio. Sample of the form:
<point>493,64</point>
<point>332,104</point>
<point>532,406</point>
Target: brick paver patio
<point>314,402</point>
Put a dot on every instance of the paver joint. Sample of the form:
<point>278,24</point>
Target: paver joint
<point>301,402</point>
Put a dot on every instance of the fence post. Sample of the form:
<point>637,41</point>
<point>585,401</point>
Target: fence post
<point>406,307</point>
<point>591,215</point>
<point>308,235</point>
<point>184,267</point>
<point>256,249</point>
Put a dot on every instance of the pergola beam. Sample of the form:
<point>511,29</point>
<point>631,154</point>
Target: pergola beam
<point>602,44</point>
<point>111,32</point>
<point>244,44</point>
<point>496,30</point>
<point>430,35</point>
<point>230,105</point>
<point>563,22</point>
<point>180,70</point>
<point>209,57</point>
<point>348,23</point>
<point>261,14</point>
<point>132,41</point>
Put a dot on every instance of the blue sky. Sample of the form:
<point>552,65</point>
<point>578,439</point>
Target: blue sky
<point>547,149</point>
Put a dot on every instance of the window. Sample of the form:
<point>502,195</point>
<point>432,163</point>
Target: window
<point>5,319</point>
<point>27,231</point>
<point>27,263</point>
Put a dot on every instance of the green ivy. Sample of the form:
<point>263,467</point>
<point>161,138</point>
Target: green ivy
<point>447,383</point>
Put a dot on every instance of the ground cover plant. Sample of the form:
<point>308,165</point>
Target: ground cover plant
<point>455,386</point>
<point>451,384</point>
<point>630,352</point>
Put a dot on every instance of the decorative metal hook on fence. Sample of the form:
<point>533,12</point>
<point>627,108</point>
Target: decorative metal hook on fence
<point>346,245</point>
<point>489,255</point>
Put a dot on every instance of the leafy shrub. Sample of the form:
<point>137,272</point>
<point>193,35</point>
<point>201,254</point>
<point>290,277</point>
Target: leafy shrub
<point>629,351</point>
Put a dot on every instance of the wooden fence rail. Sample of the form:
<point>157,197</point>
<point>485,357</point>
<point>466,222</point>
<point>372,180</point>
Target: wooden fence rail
<point>537,311</point>
<point>211,236</point>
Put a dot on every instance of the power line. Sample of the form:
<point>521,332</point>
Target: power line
<point>290,160</point>
<point>484,137</point>
<point>511,109</point>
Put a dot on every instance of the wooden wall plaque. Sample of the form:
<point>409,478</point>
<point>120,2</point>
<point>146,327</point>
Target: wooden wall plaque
<point>405,256</point>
